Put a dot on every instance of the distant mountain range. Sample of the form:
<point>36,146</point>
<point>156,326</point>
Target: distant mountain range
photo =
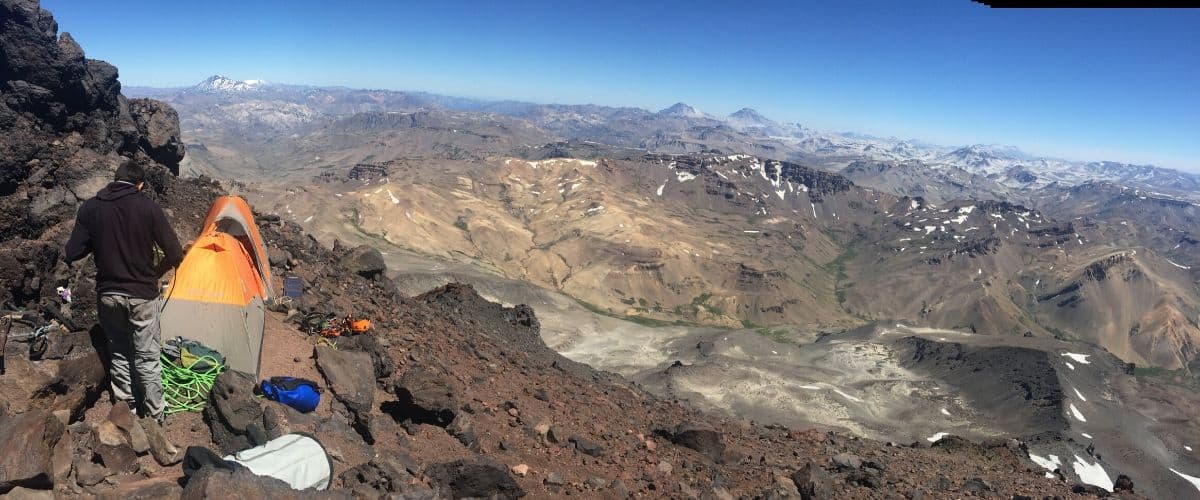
<point>257,108</point>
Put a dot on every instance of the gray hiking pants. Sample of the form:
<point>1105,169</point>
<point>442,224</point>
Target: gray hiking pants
<point>132,329</point>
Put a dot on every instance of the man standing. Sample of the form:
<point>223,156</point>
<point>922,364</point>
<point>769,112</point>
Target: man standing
<point>124,230</point>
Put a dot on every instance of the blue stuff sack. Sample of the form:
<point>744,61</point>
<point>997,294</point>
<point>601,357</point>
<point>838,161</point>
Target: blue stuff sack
<point>301,394</point>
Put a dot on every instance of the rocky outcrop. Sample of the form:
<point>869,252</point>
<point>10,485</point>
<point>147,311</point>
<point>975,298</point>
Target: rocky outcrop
<point>64,129</point>
<point>29,442</point>
<point>365,261</point>
<point>158,130</point>
<point>465,479</point>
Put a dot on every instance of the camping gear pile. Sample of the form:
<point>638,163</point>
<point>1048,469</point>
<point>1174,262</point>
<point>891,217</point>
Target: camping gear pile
<point>333,326</point>
<point>189,370</point>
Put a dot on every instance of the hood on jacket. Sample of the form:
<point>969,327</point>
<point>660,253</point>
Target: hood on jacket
<point>116,190</point>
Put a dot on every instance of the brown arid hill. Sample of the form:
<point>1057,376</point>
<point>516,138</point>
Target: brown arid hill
<point>738,241</point>
<point>726,241</point>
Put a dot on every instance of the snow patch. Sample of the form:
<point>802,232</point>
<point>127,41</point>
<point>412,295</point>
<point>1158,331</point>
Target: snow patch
<point>1069,365</point>
<point>684,176</point>
<point>1049,462</point>
<point>1080,394</point>
<point>937,437</point>
<point>395,200</point>
<point>1191,479</point>
<point>1079,358</point>
<point>847,396</point>
<point>309,219</point>
<point>945,412</point>
<point>1094,474</point>
<point>1173,263</point>
<point>1086,435</point>
<point>1075,413</point>
<point>814,207</point>
<point>660,188</point>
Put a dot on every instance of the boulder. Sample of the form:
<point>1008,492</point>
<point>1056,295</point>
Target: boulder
<point>813,482</point>
<point>847,461</point>
<point>76,382</point>
<point>164,451</point>
<point>1123,483</point>
<point>424,398</point>
<point>365,261</point>
<point>278,257</point>
<point>232,411</point>
<point>121,416</point>
<point>351,379</point>
<point>158,128</point>
<point>585,446</point>
<point>701,438</point>
<point>465,479</point>
<point>29,441</point>
<point>369,343</point>
<point>111,444</point>
<point>241,484</point>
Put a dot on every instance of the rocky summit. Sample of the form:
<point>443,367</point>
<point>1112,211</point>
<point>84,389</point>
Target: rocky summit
<point>650,314</point>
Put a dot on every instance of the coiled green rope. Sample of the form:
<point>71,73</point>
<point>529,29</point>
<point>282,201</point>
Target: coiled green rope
<point>185,389</point>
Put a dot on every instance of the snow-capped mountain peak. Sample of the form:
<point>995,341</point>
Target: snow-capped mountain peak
<point>682,110</point>
<point>747,117</point>
<point>220,83</point>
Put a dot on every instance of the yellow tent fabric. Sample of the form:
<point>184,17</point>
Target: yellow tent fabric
<point>219,291</point>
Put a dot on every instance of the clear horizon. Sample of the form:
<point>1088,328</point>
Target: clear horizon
<point>1087,85</point>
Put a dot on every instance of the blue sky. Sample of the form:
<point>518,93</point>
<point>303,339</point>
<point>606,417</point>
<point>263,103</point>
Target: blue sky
<point>1082,84</point>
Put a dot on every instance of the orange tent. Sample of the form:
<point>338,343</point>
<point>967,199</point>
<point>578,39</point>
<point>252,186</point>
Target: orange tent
<point>231,215</point>
<point>219,291</point>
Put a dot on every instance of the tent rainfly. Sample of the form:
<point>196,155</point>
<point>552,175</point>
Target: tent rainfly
<point>219,291</point>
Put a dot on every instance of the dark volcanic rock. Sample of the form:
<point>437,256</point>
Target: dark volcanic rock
<point>28,442</point>
<point>64,129</point>
<point>813,482</point>
<point>350,377</point>
<point>425,398</point>
<point>210,482</point>
<point>699,437</point>
<point>381,361</point>
<point>158,128</point>
<point>1123,483</point>
<point>463,479</point>
<point>232,411</point>
<point>365,261</point>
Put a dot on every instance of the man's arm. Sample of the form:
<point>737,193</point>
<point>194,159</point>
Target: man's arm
<point>80,243</point>
<point>165,238</point>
